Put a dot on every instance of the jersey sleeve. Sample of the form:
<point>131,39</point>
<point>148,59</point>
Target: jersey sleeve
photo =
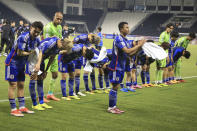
<point>119,43</point>
<point>21,43</point>
<point>161,38</point>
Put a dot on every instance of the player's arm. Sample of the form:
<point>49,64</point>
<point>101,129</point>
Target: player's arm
<point>37,67</point>
<point>21,48</point>
<point>51,59</point>
<point>133,50</point>
<point>161,38</point>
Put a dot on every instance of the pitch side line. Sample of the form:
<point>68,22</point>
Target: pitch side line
<point>28,97</point>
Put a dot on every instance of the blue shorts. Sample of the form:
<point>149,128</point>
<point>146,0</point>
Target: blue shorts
<point>170,62</point>
<point>78,63</point>
<point>116,77</point>
<point>66,67</point>
<point>15,73</point>
<point>127,67</point>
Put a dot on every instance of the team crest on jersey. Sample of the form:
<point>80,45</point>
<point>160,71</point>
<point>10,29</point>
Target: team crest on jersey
<point>117,78</point>
<point>11,76</point>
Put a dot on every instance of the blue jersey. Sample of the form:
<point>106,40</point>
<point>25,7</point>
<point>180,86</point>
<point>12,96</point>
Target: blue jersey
<point>177,53</point>
<point>118,61</point>
<point>82,39</point>
<point>24,43</point>
<point>49,47</point>
<point>101,39</point>
<point>172,44</point>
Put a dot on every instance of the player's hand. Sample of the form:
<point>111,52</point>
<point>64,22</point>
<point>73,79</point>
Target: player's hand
<point>33,76</point>
<point>141,42</point>
<point>37,68</point>
<point>105,65</point>
<point>63,52</point>
<point>32,51</point>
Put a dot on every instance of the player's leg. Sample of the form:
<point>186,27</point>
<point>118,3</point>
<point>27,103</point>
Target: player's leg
<point>100,77</point>
<point>143,75</point>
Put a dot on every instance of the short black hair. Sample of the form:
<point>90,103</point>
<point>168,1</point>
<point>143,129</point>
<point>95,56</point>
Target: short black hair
<point>165,45</point>
<point>192,35</point>
<point>37,24</point>
<point>121,25</point>
<point>169,25</point>
<point>150,41</point>
<point>187,54</point>
<point>89,54</point>
<point>99,28</point>
<point>174,34</point>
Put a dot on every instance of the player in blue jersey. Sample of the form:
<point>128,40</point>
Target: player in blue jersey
<point>178,52</point>
<point>48,48</point>
<point>87,40</point>
<point>118,62</point>
<point>173,37</point>
<point>15,66</point>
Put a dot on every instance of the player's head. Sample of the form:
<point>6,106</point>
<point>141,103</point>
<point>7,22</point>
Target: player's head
<point>36,28</point>
<point>21,22</point>
<point>66,44</point>
<point>123,28</point>
<point>26,24</point>
<point>169,27</point>
<point>94,39</point>
<point>89,54</point>
<point>191,36</point>
<point>174,35</point>
<point>186,54</point>
<point>165,45</point>
<point>99,29</point>
<point>57,19</point>
<point>13,23</point>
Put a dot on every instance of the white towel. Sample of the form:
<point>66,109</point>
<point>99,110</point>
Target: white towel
<point>32,60</point>
<point>96,59</point>
<point>154,51</point>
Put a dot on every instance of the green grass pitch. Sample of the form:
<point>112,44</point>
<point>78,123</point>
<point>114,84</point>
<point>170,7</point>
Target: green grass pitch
<point>170,108</point>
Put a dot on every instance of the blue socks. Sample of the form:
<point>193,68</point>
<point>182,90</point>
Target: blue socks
<point>147,77</point>
<point>40,91</point>
<point>128,84</point>
<point>63,87</point>
<point>112,98</point>
<point>92,77</point>
<point>85,78</point>
<point>100,80</point>
<point>77,83</point>
<point>21,101</point>
<point>143,74</point>
<point>106,78</point>
<point>32,91</point>
<point>71,83</point>
<point>12,103</point>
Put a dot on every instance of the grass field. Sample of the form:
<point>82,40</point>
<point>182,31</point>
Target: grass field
<point>170,108</point>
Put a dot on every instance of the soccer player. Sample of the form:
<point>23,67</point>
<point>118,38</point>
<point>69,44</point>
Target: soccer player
<point>20,28</point>
<point>87,40</point>
<point>15,67</point>
<point>117,64</point>
<point>12,34</point>
<point>182,42</point>
<point>52,29</point>
<point>178,52</point>
<point>67,31</point>
<point>165,37</point>
<point>173,37</point>
<point>48,48</point>
<point>6,30</point>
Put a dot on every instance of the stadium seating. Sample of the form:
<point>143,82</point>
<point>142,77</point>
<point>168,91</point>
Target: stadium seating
<point>152,25</point>
<point>113,18</point>
<point>26,10</point>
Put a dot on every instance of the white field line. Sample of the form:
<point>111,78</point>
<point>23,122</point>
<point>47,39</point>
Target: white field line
<point>28,97</point>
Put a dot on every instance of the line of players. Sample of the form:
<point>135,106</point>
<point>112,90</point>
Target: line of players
<point>52,45</point>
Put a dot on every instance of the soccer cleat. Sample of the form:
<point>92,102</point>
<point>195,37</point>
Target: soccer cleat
<point>146,85</point>
<point>38,107</point>
<point>158,85</point>
<point>89,92</point>
<point>131,89</point>
<point>16,113</point>
<point>117,109</point>
<point>44,105</point>
<point>124,89</point>
<point>151,85</point>
<point>113,111</point>
<point>106,91</point>
<point>75,97</point>
<point>97,91</point>
<point>26,110</point>
<point>81,94</point>
<point>138,86</point>
<point>66,98</point>
<point>181,80</point>
<point>52,97</point>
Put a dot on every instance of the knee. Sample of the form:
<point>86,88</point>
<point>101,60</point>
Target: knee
<point>13,85</point>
